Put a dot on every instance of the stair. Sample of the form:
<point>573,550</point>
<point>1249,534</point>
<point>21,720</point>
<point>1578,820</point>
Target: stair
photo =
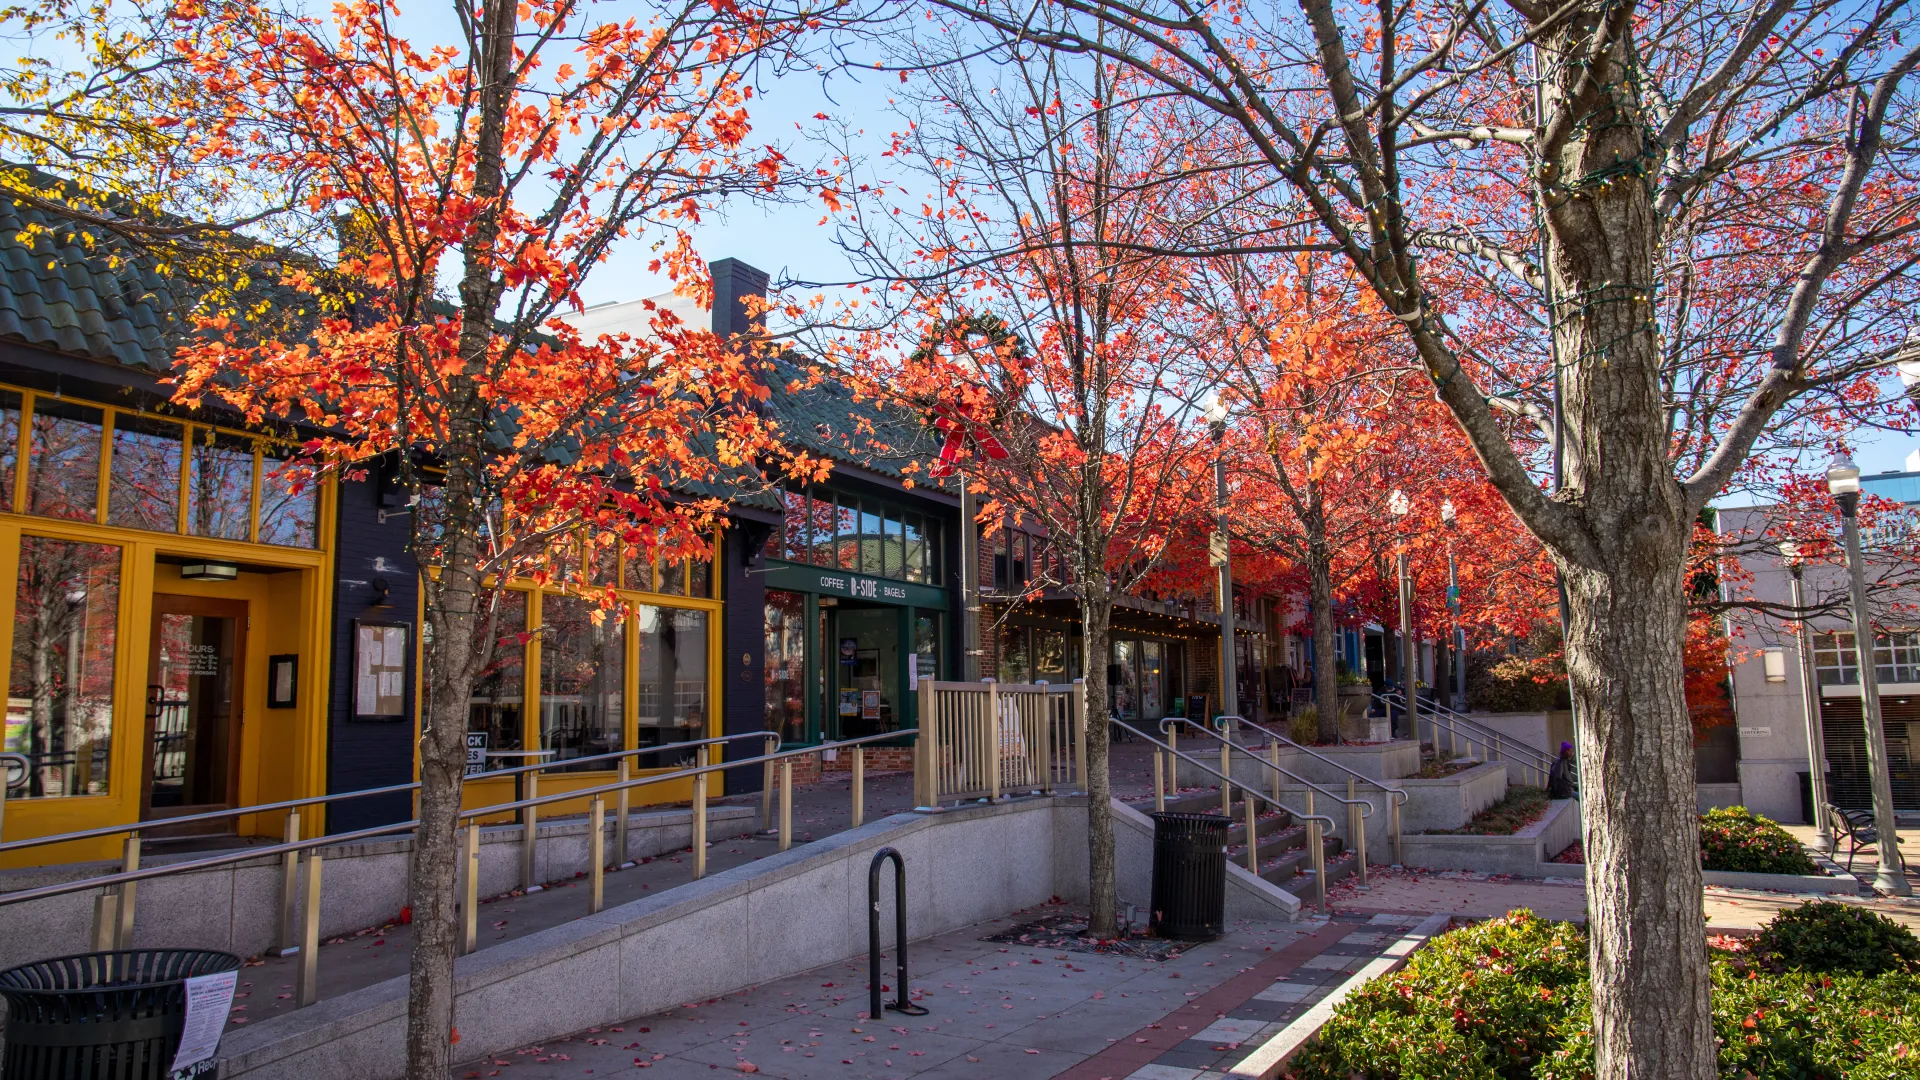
<point>1282,842</point>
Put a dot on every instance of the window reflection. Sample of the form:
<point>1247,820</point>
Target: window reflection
<point>60,683</point>
<point>63,471</point>
<point>700,579</point>
<point>143,482</point>
<point>220,489</point>
<point>583,668</point>
<point>786,664</point>
<point>289,503</point>
<point>893,547</point>
<point>9,443</point>
<point>499,692</point>
<point>673,678</point>
<point>915,548</point>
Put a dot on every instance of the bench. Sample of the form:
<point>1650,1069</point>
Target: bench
<point>1856,826</point>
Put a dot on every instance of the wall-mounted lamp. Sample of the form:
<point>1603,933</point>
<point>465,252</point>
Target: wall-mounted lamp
<point>380,590</point>
<point>1776,664</point>
<point>209,571</point>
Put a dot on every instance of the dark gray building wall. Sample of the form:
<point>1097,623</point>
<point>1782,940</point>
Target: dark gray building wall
<point>743,648</point>
<point>367,754</point>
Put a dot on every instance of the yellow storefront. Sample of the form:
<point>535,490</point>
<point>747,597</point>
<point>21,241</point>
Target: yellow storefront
<point>166,624</point>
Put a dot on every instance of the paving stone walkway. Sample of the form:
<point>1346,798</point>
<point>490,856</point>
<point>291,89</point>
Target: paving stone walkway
<point>997,1011</point>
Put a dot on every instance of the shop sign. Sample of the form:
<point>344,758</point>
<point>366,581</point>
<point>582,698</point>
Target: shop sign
<point>839,583</point>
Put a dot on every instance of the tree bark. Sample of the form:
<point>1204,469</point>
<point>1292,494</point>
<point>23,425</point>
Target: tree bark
<point>1326,680</point>
<point>1625,584</point>
<point>1096,614</point>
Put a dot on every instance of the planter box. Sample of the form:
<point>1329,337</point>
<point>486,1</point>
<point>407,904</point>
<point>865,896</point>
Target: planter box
<point>1451,801</point>
<point>1835,881</point>
<point>1524,854</point>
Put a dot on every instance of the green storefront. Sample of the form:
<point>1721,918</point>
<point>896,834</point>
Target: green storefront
<point>846,647</point>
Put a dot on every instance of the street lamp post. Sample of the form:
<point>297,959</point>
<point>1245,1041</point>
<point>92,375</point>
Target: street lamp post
<point>1453,607</point>
<point>1816,738</point>
<point>1398,504</point>
<point>1843,482</point>
<point>1216,415</point>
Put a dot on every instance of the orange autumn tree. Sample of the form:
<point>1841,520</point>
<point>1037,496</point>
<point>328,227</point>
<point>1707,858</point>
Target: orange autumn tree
<point>473,184</point>
<point>1033,312</point>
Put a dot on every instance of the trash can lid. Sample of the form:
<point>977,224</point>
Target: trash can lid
<point>124,969</point>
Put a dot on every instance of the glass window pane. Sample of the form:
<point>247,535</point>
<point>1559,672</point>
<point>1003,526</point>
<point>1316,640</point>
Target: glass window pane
<point>700,578</point>
<point>60,683</point>
<point>499,691</point>
<point>289,502</point>
<point>892,552</point>
<point>673,577</point>
<point>926,646</point>
<point>143,488</point>
<point>794,539</point>
<point>582,679</point>
<point>846,531</point>
<point>63,474</point>
<point>871,534</point>
<point>786,666</point>
<point>9,443</point>
<point>1050,655</point>
<point>220,487</point>
<point>930,528</point>
<point>673,679</point>
<point>603,560</point>
<point>1015,665</point>
<point>913,548</point>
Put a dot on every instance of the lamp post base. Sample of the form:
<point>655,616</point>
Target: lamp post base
<point>1891,883</point>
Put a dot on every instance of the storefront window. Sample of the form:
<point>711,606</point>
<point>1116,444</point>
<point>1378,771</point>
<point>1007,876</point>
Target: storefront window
<point>63,472</point>
<point>1124,677</point>
<point>673,578</point>
<point>9,443</point>
<point>1153,680</point>
<point>1016,666</point>
<point>220,488</point>
<point>872,536</point>
<point>893,548</point>
<point>497,708</point>
<point>926,646</point>
<point>60,684</point>
<point>786,664</point>
<point>143,483</point>
<point>289,503</point>
<point>914,547</point>
<point>583,664</point>
<point>673,678</point>
<point>700,579</point>
<point>1050,655</point>
<point>846,530</point>
<point>868,659</point>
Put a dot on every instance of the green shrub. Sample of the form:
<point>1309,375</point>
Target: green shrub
<point>1508,999</point>
<point>1826,938</point>
<point>1303,724</point>
<point>1735,838</point>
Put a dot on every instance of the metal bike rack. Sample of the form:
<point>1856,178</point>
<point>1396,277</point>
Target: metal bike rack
<point>900,1004</point>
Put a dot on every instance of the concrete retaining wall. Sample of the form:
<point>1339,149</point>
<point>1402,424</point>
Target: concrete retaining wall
<point>1451,801</point>
<point>1524,854</point>
<point>734,929</point>
<point>236,908</point>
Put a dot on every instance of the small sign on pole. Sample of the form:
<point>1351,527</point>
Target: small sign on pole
<point>209,1000</point>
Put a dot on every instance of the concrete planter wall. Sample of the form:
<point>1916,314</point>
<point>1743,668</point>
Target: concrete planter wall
<point>1524,854</point>
<point>732,930</point>
<point>1450,802</point>
<point>236,908</point>
<point>1381,761</point>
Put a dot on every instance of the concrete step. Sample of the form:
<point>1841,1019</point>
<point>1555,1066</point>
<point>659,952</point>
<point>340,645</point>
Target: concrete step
<point>1294,861</point>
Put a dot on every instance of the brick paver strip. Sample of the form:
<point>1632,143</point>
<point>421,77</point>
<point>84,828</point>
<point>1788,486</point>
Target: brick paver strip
<point>1157,1038</point>
<point>1266,1059</point>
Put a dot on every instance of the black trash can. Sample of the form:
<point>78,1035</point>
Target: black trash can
<point>1189,875</point>
<point>103,1015</point>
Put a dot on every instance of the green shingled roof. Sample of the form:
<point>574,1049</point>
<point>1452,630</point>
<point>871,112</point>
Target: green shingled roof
<point>822,416</point>
<point>64,288</point>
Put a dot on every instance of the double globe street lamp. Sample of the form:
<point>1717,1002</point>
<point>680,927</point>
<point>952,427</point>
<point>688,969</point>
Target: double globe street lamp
<point>1399,506</point>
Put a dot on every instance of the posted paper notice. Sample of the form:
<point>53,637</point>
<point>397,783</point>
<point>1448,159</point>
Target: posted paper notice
<point>209,1000</point>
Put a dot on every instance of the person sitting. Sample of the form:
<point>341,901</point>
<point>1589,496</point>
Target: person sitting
<point>1560,777</point>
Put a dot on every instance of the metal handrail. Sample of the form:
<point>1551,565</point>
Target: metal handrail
<point>294,804</point>
<point>1295,777</point>
<point>1314,821</point>
<point>1356,822</point>
<point>1475,732</point>
<point>245,854</point>
<point>1389,789</point>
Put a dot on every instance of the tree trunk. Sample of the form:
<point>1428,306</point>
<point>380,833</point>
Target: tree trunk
<point>451,608</point>
<point>1625,582</point>
<point>1639,823</point>
<point>1326,680</point>
<point>1096,613</point>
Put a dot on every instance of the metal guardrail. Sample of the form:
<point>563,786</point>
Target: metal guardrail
<point>299,932</point>
<point>1493,744</point>
<point>1356,816</point>
<point>1395,797</point>
<point>1316,851</point>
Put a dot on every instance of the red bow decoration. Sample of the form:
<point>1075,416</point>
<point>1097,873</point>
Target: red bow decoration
<point>958,428</point>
